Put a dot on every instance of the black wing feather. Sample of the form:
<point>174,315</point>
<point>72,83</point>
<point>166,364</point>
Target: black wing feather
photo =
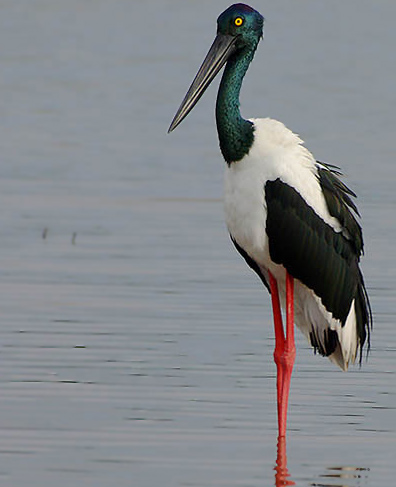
<point>339,203</point>
<point>324,260</point>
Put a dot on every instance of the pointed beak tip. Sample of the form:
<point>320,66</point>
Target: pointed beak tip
<point>172,127</point>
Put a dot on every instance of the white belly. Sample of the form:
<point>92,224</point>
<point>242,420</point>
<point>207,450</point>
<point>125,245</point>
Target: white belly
<point>245,209</point>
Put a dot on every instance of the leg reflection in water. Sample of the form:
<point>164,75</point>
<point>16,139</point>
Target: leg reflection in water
<point>281,472</point>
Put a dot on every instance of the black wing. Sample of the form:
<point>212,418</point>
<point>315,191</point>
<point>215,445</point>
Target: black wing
<point>324,260</point>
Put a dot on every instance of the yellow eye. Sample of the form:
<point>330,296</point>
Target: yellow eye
<point>238,21</point>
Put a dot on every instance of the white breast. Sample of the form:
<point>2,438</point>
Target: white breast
<point>244,204</point>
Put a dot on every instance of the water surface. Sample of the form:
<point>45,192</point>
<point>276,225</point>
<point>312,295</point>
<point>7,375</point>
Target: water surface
<point>136,345</point>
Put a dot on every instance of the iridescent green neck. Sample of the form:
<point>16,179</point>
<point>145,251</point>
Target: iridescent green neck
<point>235,133</point>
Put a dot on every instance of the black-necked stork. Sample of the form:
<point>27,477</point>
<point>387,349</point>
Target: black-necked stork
<point>289,216</point>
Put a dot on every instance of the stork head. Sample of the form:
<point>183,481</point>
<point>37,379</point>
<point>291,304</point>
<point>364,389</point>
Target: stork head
<point>242,23</point>
<point>239,28</point>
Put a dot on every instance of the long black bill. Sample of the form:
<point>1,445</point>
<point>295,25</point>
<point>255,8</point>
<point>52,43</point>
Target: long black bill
<point>222,48</point>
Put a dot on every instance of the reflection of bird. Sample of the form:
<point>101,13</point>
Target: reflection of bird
<point>282,476</point>
<point>289,216</point>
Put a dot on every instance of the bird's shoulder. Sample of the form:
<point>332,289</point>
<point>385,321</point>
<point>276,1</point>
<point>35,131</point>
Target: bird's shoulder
<point>272,132</point>
<point>279,154</point>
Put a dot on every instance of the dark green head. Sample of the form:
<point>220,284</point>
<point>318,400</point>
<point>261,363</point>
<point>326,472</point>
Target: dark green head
<point>239,30</point>
<point>242,22</point>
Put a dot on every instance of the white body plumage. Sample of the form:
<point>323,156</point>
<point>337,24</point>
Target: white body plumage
<point>278,153</point>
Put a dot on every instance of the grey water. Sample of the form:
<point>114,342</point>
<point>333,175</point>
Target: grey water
<point>135,344</point>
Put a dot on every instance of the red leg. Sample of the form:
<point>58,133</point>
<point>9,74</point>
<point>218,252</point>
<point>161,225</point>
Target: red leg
<point>282,474</point>
<point>285,350</point>
<point>279,335</point>
<point>289,353</point>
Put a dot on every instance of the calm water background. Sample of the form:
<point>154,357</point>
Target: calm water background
<point>135,345</point>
